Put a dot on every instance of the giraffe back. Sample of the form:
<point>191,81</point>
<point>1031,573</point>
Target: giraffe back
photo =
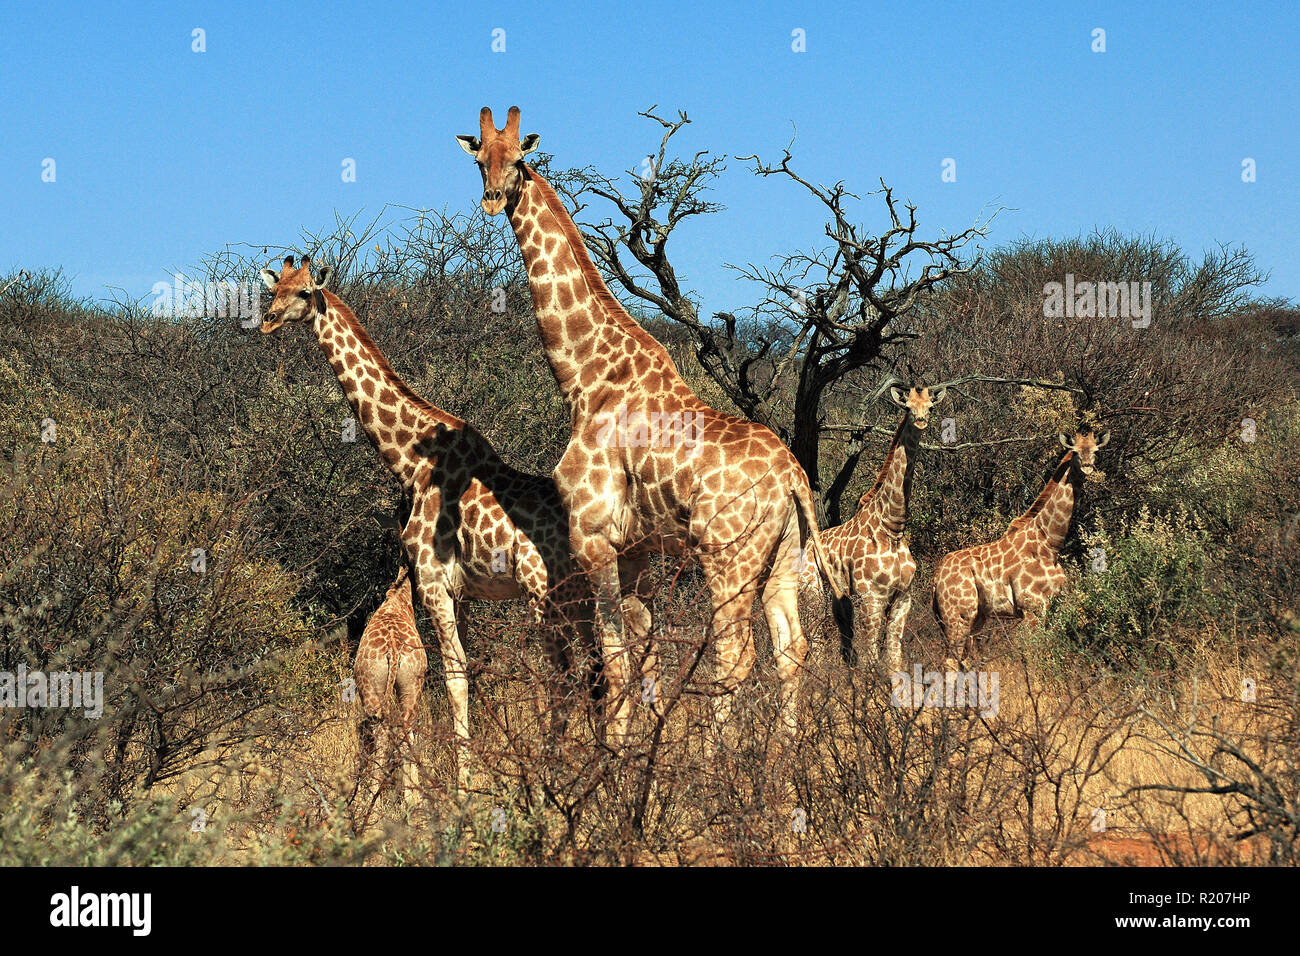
<point>391,662</point>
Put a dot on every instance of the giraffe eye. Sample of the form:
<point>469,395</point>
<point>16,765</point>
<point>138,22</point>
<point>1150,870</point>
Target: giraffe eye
<point>304,294</point>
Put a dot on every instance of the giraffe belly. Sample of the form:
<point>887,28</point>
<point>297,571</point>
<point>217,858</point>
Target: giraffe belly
<point>998,596</point>
<point>492,587</point>
<point>655,521</point>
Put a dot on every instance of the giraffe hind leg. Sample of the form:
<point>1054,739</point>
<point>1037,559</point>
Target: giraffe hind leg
<point>780,598</point>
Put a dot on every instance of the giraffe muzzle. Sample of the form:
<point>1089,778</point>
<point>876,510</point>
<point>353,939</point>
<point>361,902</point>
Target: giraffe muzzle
<point>271,323</point>
<point>494,201</point>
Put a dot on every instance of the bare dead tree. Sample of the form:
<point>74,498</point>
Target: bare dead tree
<point>824,314</point>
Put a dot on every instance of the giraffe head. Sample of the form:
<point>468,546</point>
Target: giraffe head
<point>297,293</point>
<point>917,401</point>
<point>1085,446</point>
<point>499,154</point>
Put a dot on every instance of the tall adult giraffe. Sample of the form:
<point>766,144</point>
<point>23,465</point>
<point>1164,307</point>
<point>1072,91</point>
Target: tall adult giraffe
<point>649,466</point>
<point>870,549</point>
<point>1020,573</point>
<point>478,527</point>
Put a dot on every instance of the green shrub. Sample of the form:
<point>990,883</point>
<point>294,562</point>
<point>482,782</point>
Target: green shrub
<point>1146,591</point>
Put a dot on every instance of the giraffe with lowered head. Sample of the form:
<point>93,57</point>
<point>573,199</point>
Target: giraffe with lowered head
<point>389,672</point>
<point>1020,573</point>
<point>649,466</point>
<point>870,549</point>
<point>478,528</point>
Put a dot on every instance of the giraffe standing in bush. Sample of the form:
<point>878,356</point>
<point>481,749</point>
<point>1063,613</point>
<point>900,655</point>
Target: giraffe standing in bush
<point>650,467</point>
<point>389,672</point>
<point>478,527</point>
<point>1020,573</point>
<point>870,549</point>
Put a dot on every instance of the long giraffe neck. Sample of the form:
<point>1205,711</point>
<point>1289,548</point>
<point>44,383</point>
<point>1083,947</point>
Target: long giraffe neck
<point>885,505</point>
<point>394,418</point>
<point>590,340</point>
<point>1052,510</point>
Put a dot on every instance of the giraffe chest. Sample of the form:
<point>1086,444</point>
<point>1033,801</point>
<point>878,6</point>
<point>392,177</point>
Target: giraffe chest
<point>640,492</point>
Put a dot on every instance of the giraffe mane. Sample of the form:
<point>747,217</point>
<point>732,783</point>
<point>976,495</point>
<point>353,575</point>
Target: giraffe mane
<point>1058,474</point>
<point>595,283</point>
<point>398,384</point>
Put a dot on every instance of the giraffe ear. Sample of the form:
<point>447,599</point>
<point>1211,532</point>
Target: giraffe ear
<point>898,395</point>
<point>470,144</point>
<point>1065,440</point>
<point>269,278</point>
<point>937,395</point>
<point>323,276</point>
<point>1104,438</point>
<point>529,143</point>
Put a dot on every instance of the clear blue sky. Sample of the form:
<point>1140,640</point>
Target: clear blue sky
<point>163,154</point>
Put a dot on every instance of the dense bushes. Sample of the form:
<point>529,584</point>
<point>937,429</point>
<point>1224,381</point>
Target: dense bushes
<point>158,588</point>
<point>1144,590</point>
<point>176,434</point>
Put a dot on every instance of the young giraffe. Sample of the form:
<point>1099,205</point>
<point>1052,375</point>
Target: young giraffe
<point>389,672</point>
<point>478,527</point>
<point>649,466</point>
<point>1019,574</point>
<point>870,549</point>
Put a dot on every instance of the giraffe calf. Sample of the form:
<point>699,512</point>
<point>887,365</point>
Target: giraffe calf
<point>1020,573</point>
<point>870,549</point>
<point>389,671</point>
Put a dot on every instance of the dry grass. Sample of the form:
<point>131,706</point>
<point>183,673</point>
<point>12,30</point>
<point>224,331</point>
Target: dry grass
<point>866,783</point>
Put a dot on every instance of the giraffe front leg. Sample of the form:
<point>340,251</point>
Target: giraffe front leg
<point>1032,611</point>
<point>898,611</point>
<point>601,560</point>
<point>638,619</point>
<point>1038,598</point>
<point>868,623</point>
<point>441,608</point>
<point>956,606</point>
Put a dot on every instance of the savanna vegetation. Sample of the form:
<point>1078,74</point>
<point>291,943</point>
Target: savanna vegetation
<point>181,510</point>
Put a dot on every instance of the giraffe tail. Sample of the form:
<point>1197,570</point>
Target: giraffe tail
<point>841,603</point>
<point>938,615</point>
<point>388,703</point>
